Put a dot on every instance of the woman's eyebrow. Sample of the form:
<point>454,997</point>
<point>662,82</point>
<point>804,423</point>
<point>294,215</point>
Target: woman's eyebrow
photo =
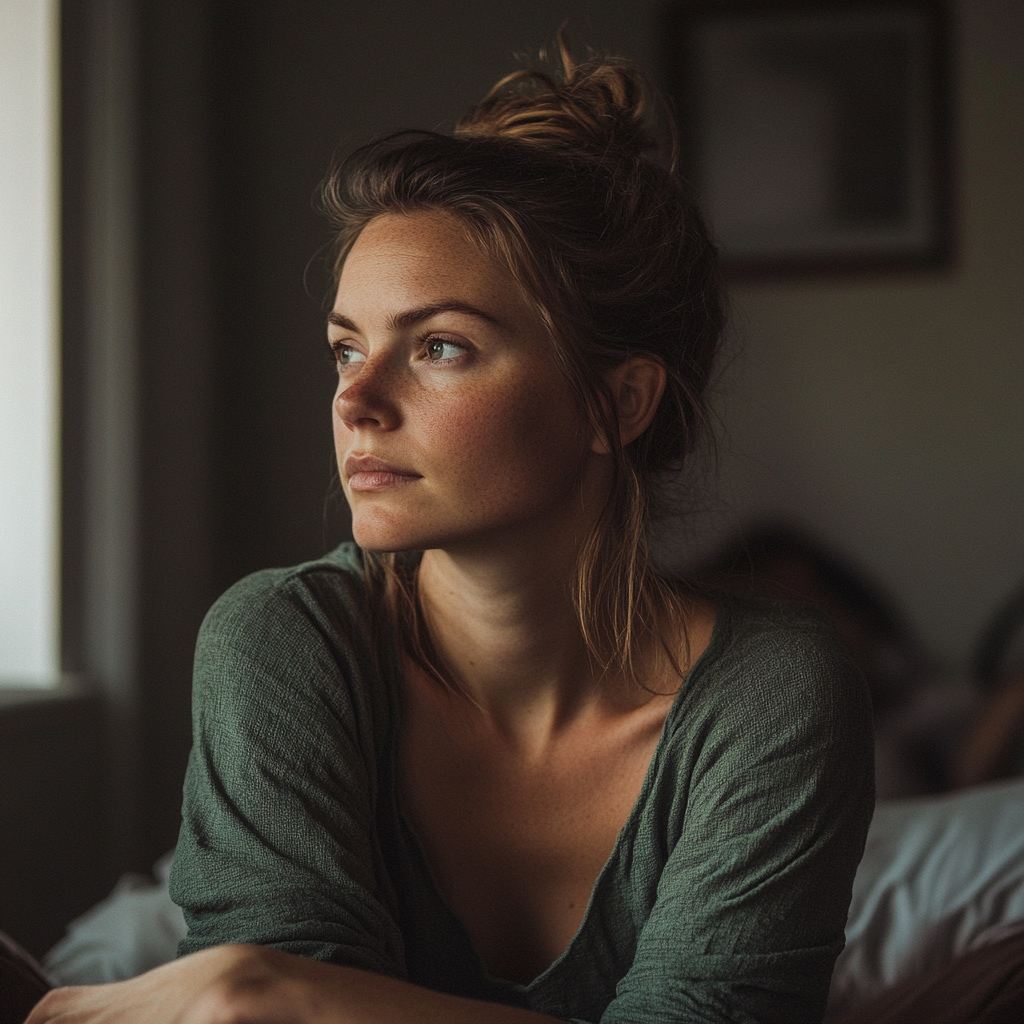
<point>409,317</point>
<point>413,316</point>
<point>337,320</point>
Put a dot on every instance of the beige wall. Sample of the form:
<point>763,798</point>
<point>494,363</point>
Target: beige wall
<point>887,413</point>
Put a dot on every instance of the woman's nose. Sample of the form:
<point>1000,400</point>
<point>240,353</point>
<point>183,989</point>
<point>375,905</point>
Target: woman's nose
<point>367,399</point>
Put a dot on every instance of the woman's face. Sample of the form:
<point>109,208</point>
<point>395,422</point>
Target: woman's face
<point>452,424</point>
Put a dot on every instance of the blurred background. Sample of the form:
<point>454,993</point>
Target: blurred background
<point>881,413</point>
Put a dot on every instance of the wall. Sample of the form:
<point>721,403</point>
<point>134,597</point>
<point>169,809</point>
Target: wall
<point>887,413</point>
<point>53,844</point>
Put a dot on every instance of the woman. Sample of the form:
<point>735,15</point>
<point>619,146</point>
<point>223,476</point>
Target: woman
<point>489,765</point>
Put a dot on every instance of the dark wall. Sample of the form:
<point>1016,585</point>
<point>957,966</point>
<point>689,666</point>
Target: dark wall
<point>53,849</point>
<point>272,82</point>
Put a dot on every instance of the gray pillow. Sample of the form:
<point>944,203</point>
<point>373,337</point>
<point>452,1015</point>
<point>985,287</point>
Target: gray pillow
<point>135,928</point>
<point>941,876</point>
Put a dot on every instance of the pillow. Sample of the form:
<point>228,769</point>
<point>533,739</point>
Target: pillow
<point>135,928</point>
<point>941,876</point>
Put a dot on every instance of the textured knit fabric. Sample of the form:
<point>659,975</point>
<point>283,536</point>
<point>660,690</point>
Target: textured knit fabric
<point>725,896</point>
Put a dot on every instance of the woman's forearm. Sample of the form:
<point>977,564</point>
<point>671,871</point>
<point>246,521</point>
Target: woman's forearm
<point>344,995</point>
<point>255,985</point>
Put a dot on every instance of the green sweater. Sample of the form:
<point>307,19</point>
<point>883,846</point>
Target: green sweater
<point>726,893</point>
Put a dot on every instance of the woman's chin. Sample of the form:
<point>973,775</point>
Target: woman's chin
<point>384,538</point>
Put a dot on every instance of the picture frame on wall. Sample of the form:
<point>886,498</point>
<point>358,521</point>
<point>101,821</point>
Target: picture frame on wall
<point>815,134</point>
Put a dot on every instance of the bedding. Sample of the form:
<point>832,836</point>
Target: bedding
<point>941,876</point>
<point>134,929</point>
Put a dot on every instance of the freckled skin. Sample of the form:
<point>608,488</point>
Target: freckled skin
<point>491,427</point>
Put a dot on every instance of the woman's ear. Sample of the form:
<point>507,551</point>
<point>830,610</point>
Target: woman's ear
<point>636,386</point>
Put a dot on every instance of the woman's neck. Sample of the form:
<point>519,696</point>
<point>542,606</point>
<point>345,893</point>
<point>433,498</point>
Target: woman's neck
<point>504,624</point>
<point>506,628</point>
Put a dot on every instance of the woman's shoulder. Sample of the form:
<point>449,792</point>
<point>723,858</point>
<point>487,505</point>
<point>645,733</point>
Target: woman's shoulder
<point>780,663</point>
<point>306,627</point>
<point>767,634</point>
<point>283,607</point>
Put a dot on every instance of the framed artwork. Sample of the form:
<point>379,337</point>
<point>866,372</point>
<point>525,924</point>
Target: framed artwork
<point>815,134</point>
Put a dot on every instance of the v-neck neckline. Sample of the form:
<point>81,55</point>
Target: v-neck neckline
<point>719,633</point>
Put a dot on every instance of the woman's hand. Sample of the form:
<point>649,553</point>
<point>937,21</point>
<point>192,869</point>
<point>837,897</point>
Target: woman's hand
<point>223,985</point>
<point>255,985</point>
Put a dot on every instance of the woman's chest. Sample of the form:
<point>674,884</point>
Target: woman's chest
<point>515,846</point>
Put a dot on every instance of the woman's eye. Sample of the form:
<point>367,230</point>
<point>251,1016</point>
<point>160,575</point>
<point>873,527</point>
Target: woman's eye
<point>345,355</point>
<point>438,350</point>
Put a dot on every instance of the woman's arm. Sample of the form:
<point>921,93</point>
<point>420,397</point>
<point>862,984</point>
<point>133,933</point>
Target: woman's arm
<point>279,844</point>
<point>255,985</point>
<point>278,839</point>
<point>752,901</point>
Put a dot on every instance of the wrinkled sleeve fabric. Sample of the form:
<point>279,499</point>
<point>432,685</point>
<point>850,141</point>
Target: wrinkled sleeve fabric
<point>774,796</point>
<point>278,842</point>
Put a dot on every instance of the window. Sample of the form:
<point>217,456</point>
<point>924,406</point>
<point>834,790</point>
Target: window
<point>29,360</point>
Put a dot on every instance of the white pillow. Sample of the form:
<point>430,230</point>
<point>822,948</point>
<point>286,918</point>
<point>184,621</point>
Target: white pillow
<point>135,928</point>
<point>940,876</point>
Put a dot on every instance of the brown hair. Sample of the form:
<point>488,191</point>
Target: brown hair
<point>558,176</point>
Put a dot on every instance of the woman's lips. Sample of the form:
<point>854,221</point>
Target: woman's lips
<point>368,473</point>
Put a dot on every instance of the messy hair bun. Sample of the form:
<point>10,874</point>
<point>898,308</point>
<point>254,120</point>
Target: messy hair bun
<point>558,176</point>
<point>600,106</point>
